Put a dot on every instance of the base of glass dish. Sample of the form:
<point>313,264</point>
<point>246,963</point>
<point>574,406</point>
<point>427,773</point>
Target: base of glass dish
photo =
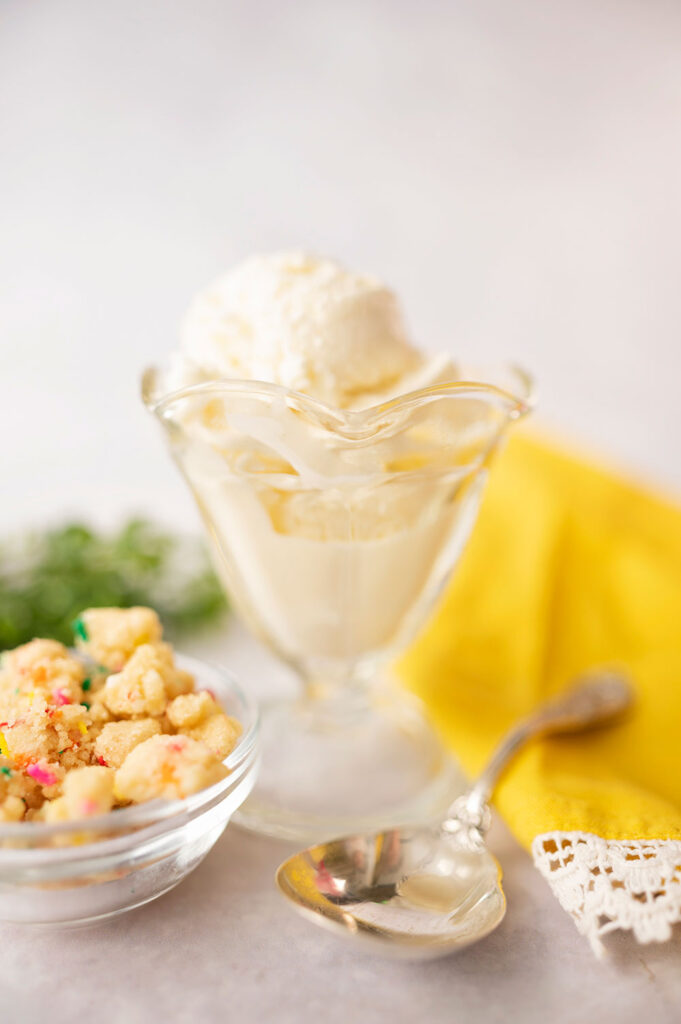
<point>334,769</point>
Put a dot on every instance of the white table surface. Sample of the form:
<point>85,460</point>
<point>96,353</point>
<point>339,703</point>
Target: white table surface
<point>512,169</point>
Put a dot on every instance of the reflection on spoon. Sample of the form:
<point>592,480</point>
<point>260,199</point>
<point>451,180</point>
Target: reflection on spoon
<point>433,892</point>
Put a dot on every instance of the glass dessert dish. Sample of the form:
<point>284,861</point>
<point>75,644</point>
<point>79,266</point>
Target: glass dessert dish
<point>81,871</point>
<point>334,532</point>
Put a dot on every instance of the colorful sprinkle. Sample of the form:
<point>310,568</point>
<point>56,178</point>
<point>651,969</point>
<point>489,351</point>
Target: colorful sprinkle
<point>41,775</point>
<point>83,727</point>
<point>4,749</point>
<point>60,697</point>
<point>86,684</point>
<point>6,771</point>
<point>85,704</point>
<point>78,627</point>
<point>100,760</point>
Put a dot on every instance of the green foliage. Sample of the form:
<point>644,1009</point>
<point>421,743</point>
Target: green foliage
<point>47,579</point>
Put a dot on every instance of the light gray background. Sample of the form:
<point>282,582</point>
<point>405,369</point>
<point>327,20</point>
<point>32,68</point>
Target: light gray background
<point>512,168</point>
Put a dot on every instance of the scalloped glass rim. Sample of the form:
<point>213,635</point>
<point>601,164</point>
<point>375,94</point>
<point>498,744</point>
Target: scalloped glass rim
<point>354,423</point>
<point>153,811</point>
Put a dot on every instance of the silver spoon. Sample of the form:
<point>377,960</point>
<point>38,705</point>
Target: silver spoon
<point>425,892</point>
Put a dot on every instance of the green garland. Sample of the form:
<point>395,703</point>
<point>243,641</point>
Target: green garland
<point>47,579</point>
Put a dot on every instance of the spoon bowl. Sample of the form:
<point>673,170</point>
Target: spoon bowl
<point>414,893</point>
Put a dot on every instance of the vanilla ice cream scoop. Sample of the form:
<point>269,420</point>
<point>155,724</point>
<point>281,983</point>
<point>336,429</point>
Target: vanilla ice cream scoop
<point>303,322</point>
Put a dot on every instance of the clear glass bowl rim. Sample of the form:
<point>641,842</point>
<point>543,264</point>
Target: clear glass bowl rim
<point>171,814</point>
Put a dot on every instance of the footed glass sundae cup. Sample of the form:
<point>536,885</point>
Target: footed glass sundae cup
<point>334,533</point>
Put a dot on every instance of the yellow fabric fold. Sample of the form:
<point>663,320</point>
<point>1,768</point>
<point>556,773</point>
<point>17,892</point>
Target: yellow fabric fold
<point>569,567</point>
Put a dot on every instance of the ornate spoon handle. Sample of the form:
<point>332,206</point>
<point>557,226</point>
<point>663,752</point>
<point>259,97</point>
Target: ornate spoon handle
<point>593,702</point>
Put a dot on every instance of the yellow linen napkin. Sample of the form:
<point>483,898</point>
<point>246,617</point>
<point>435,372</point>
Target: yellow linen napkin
<point>570,567</point>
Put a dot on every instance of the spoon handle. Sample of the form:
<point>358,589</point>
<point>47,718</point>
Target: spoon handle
<point>594,701</point>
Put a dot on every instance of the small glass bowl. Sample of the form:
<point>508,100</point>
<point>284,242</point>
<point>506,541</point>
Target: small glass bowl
<point>79,872</point>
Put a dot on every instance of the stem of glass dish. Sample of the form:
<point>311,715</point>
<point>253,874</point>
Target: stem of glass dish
<point>336,694</point>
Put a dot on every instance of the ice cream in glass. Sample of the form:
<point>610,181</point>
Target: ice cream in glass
<point>338,470</point>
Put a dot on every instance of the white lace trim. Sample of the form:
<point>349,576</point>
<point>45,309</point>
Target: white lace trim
<point>606,884</point>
